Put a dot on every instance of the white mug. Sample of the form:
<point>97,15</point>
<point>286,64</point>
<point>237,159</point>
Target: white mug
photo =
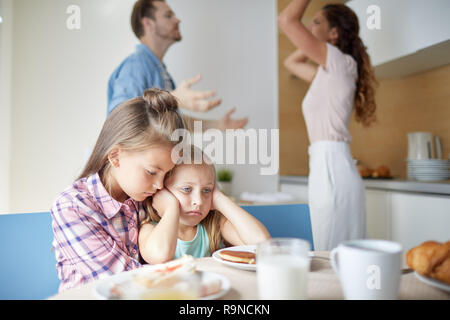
<point>368,269</point>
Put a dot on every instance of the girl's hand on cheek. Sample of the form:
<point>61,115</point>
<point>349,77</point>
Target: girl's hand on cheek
<point>163,201</point>
<point>217,198</point>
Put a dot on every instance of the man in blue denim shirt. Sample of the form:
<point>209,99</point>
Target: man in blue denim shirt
<point>138,72</point>
<point>157,27</point>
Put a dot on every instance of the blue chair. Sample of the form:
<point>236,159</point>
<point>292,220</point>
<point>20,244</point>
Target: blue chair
<point>284,220</point>
<point>27,263</point>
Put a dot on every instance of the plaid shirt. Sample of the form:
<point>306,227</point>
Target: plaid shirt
<point>94,235</point>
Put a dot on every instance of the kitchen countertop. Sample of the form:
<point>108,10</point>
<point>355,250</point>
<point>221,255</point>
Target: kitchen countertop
<point>432,187</point>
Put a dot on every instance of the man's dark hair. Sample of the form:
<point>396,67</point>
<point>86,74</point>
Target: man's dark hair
<point>142,8</point>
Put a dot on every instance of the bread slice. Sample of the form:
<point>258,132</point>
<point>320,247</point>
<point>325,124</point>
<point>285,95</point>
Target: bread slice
<point>167,274</point>
<point>238,256</point>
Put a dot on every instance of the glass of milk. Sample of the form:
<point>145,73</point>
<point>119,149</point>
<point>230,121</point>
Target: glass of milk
<point>282,266</point>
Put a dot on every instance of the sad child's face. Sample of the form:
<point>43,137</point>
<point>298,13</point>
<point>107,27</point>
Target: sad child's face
<point>138,175</point>
<point>193,186</point>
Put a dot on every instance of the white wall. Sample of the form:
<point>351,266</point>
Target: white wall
<point>59,80</point>
<point>233,44</point>
<point>5,102</point>
<point>59,91</point>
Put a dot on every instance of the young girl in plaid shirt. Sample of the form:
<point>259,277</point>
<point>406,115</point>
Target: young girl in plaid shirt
<point>96,219</point>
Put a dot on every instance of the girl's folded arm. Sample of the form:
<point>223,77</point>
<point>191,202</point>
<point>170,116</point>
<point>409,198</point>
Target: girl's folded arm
<point>229,233</point>
<point>239,224</point>
<point>157,243</point>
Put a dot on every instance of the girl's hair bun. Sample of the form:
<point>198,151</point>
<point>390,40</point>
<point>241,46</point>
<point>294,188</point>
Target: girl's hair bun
<point>135,125</point>
<point>160,100</point>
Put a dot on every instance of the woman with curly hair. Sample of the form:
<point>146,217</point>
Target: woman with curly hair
<point>342,80</point>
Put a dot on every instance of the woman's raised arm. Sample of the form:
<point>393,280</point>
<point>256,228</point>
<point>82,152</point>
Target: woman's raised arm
<point>289,21</point>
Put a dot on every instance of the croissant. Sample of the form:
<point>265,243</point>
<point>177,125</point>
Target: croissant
<point>431,259</point>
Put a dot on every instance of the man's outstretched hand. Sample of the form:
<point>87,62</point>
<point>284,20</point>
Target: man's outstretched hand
<point>195,100</point>
<point>227,123</point>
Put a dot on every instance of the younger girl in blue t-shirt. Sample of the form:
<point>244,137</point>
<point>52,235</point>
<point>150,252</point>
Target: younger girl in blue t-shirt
<point>192,216</point>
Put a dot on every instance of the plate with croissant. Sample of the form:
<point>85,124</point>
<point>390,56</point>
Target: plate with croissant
<point>431,263</point>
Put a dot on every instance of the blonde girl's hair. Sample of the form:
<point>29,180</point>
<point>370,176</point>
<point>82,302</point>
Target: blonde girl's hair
<point>211,222</point>
<point>135,125</point>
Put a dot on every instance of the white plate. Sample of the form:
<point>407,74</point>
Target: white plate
<point>436,169</point>
<point>431,173</point>
<point>428,160</point>
<point>428,164</point>
<point>443,172</point>
<point>429,167</point>
<point>243,266</point>
<point>209,276</point>
<point>438,166</point>
<point>433,282</point>
<point>103,290</point>
<point>431,163</point>
<point>429,177</point>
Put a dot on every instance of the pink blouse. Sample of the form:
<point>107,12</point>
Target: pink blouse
<point>328,104</point>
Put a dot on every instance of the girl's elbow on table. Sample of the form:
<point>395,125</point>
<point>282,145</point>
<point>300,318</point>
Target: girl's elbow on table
<point>155,257</point>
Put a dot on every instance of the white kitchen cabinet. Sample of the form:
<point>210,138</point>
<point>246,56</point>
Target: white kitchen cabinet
<point>416,218</point>
<point>377,208</point>
<point>404,36</point>
<point>409,218</point>
<point>377,214</point>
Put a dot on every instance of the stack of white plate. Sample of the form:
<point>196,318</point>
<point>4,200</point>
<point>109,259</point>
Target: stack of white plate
<point>429,169</point>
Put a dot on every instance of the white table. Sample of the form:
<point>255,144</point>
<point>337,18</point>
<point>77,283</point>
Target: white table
<point>323,283</point>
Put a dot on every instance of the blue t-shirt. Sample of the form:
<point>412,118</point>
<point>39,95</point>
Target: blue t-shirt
<point>139,71</point>
<point>197,247</point>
